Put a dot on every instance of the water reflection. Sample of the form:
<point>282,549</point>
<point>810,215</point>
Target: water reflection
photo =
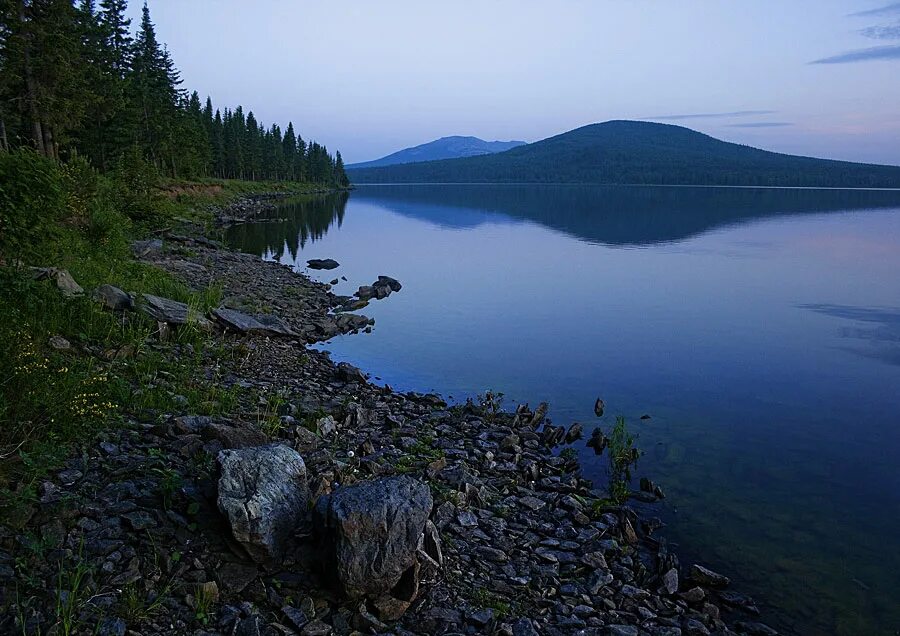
<point>881,341</point>
<point>609,215</point>
<point>290,226</point>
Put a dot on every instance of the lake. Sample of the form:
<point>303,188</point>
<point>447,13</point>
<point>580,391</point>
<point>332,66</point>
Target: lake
<point>759,328</point>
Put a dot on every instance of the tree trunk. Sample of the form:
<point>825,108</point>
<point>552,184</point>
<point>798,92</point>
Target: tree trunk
<point>30,85</point>
<point>4,142</point>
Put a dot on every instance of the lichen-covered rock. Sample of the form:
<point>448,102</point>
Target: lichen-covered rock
<point>370,533</point>
<point>263,494</point>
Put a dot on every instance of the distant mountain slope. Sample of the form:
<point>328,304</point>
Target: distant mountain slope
<point>443,148</point>
<point>632,152</point>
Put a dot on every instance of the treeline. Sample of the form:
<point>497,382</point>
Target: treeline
<point>74,81</point>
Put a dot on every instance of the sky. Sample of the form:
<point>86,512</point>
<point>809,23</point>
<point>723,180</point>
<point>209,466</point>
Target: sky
<point>811,77</point>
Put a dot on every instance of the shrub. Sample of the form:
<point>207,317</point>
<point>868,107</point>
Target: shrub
<point>32,199</point>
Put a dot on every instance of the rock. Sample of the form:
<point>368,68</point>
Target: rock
<point>694,595</point>
<point>140,520</point>
<point>524,627</point>
<point>621,630</point>
<point>322,263</point>
<point>392,283</point>
<point>575,432</point>
<point>113,298</point>
<point>142,249</point>
<point>296,617</point>
<point>263,494</point>
<point>369,534</point>
<point>60,344</point>
<point>63,279</point>
<point>325,426</point>
<point>244,323</point>
<point>234,577</point>
<point>112,627</point>
<point>164,310</point>
<point>598,441</point>
<point>755,629</point>
<point>234,436</point>
<point>348,373</point>
<point>670,581</point>
<point>707,577</point>
<point>316,628</point>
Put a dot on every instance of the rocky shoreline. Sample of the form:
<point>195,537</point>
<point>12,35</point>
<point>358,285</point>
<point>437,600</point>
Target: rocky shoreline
<point>322,503</point>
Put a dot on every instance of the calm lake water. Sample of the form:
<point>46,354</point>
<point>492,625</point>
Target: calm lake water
<point>759,328</point>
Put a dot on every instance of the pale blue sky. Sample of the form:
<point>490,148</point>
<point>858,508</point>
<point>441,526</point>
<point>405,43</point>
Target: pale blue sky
<point>814,77</point>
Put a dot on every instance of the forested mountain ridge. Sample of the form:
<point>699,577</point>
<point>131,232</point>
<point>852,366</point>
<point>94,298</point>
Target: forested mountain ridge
<point>444,148</point>
<point>74,81</point>
<point>634,152</point>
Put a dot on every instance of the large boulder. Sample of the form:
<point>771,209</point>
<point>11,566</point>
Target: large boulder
<point>370,533</point>
<point>263,494</point>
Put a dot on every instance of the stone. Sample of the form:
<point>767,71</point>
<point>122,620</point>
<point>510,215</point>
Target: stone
<point>263,494</point>
<point>234,436</point>
<point>143,249</point>
<point>113,298</point>
<point>369,533</point>
<point>316,628</point>
<point>389,282</point>
<point>234,577</point>
<point>575,432</point>
<point>244,323</point>
<point>326,425</point>
<point>621,630</point>
<point>296,617</point>
<point>670,581</point>
<point>322,263</point>
<point>112,627</point>
<point>524,627</point>
<point>349,373</point>
<point>60,344</point>
<point>164,310</point>
<point>140,520</point>
<point>705,576</point>
<point>694,595</point>
<point>63,279</point>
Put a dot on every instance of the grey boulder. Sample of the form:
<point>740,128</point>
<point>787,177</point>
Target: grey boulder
<point>263,494</point>
<point>370,533</point>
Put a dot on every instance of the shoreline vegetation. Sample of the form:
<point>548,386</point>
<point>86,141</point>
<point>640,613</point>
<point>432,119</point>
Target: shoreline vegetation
<point>125,415</point>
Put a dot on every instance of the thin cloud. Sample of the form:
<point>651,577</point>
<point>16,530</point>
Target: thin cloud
<point>887,52</point>
<point>737,113</point>
<point>882,32</point>
<point>888,9</point>
<point>761,124</point>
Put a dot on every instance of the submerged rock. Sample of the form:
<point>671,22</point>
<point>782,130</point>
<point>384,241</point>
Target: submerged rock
<point>705,576</point>
<point>322,263</point>
<point>263,494</point>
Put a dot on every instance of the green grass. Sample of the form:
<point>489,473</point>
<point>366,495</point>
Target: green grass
<point>51,401</point>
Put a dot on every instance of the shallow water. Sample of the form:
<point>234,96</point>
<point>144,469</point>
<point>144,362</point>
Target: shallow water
<point>759,328</point>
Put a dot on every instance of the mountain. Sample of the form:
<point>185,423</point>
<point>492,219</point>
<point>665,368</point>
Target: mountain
<point>443,148</point>
<point>634,152</point>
